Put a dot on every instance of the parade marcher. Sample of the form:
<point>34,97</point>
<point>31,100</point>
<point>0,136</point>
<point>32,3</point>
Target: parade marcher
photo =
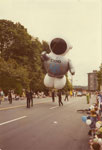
<point>60,97</point>
<point>66,96</point>
<point>10,96</point>
<point>53,95</point>
<point>28,98</point>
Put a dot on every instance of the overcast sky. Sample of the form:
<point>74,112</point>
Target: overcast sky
<point>78,21</point>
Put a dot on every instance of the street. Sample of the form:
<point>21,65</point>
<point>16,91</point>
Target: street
<point>45,126</point>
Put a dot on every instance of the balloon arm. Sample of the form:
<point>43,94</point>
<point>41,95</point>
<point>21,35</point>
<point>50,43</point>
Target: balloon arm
<point>71,68</point>
<point>44,56</point>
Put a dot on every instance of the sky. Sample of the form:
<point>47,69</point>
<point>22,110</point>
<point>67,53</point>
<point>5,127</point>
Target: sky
<point>77,21</point>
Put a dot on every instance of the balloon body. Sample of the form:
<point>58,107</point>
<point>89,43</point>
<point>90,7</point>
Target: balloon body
<point>57,64</point>
<point>95,140</point>
<point>98,124</point>
<point>54,82</point>
<point>99,140</point>
<point>88,121</point>
<point>56,68</point>
<point>84,118</point>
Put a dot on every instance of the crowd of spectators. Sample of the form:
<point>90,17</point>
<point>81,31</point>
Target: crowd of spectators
<point>11,95</point>
<point>94,121</point>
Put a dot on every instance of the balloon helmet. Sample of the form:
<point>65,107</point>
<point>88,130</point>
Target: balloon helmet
<point>58,46</point>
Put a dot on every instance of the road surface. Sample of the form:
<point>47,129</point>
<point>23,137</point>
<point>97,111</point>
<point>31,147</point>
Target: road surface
<point>45,126</point>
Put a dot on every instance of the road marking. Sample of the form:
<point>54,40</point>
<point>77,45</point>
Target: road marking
<point>6,108</point>
<point>12,120</point>
<point>54,107</point>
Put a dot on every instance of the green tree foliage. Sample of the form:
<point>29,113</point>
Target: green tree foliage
<point>15,42</point>
<point>20,61</point>
<point>45,46</point>
<point>99,77</point>
<point>68,85</point>
<point>12,75</point>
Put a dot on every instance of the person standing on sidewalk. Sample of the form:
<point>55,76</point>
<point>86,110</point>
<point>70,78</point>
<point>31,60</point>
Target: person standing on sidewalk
<point>60,97</point>
<point>1,96</point>
<point>88,98</point>
<point>100,104</point>
<point>10,96</point>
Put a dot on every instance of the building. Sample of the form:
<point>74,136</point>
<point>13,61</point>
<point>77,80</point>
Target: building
<point>92,81</point>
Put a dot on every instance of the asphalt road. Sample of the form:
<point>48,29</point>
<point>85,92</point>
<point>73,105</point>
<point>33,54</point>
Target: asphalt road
<point>45,126</point>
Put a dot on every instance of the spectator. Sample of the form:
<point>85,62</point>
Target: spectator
<point>10,96</point>
<point>88,98</point>
<point>1,95</point>
<point>100,103</point>
<point>95,146</point>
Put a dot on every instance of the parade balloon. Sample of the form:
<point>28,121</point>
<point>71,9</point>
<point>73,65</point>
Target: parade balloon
<point>57,64</point>
<point>99,140</point>
<point>84,118</point>
<point>88,121</point>
<point>95,140</point>
<point>92,107</point>
<point>98,124</point>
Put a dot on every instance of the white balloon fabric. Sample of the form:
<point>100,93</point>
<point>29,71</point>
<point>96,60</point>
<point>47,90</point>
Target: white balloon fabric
<point>98,124</point>
<point>88,121</point>
<point>54,82</point>
<point>57,64</point>
<point>99,140</point>
<point>92,107</point>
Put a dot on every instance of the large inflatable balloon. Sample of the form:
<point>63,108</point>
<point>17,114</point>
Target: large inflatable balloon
<point>98,124</point>
<point>57,64</point>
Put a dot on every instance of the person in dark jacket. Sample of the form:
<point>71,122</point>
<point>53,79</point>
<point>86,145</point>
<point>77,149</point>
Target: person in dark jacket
<point>60,97</point>
<point>28,98</point>
<point>10,96</point>
<point>31,97</point>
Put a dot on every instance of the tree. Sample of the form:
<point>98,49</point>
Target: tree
<point>20,53</point>
<point>45,46</point>
<point>99,78</point>
<point>12,75</point>
<point>15,42</point>
<point>68,85</point>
